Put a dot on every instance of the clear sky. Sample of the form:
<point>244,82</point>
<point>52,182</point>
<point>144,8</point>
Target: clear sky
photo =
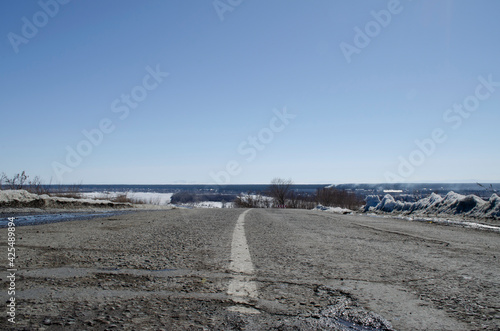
<point>240,91</point>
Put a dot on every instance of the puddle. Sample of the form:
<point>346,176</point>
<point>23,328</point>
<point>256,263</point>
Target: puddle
<point>23,220</point>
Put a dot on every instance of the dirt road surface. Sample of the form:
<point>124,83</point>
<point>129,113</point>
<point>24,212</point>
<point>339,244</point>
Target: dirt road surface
<point>261,269</point>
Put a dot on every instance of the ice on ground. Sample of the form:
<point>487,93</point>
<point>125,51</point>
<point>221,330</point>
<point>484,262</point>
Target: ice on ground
<point>491,208</point>
<point>452,204</point>
<point>371,201</point>
<point>389,204</point>
<point>441,220</point>
<point>427,203</point>
<point>336,210</point>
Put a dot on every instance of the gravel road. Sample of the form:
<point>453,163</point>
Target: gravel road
<point>208,269</point>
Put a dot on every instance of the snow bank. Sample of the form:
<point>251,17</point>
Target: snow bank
<point>452,204</point>
<point>24,199</point>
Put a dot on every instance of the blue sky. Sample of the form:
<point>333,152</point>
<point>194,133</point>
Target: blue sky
<point>254,90</point>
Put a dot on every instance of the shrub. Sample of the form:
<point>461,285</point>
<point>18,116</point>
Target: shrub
<point>21,181</point>
<point>16,182</point>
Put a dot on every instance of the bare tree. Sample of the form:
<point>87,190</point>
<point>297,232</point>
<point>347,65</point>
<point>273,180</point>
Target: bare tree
<point>279,190</point>
<point>36,186</point>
